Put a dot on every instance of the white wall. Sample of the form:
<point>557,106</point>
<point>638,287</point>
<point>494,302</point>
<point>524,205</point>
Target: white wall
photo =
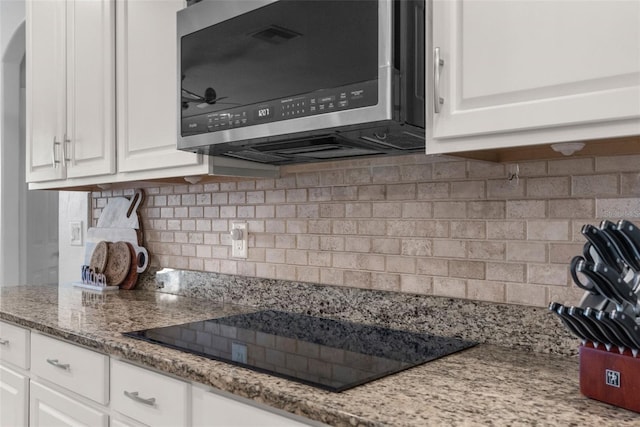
<point>73,206</point>
<point>28,219</point>
<point>12,15</point>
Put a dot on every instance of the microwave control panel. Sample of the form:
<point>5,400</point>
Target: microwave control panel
<point>314,103</point>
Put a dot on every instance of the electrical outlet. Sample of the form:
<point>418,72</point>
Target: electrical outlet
<point>75,233</point>
<point>239,352</point>
<point>239,239</point>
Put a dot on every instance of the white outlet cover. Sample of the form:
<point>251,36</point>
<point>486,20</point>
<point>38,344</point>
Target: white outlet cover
<point>239,247</point>
<point>239,353</point>
<point>75,233</point>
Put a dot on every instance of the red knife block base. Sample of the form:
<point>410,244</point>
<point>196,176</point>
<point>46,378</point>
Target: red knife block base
<point>610,377</point>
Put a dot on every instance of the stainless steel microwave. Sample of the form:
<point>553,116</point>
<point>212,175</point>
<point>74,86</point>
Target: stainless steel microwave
<point>291,81</point>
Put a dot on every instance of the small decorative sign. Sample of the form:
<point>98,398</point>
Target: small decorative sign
<point>612,378</point>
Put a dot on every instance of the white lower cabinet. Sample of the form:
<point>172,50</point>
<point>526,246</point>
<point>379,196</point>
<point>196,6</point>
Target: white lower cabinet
<point>14,398</point>
<point>49,407</point>
<point>69,384</point>
<point>77,369</point>
<point>120,421</point>
<point>149,397</point>
<point>14,375</point>
<point>213,409</point>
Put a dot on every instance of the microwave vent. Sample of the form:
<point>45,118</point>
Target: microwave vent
<point>401,141</point>
<point>256,156</point>
<point>275,34</point>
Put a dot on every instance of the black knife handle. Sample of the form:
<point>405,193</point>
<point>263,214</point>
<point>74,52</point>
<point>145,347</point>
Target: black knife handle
<point>577,314</point>
<point>601,245</point>
<point>628,325</point>
<point>567,322</point>
<point>618,285</point>
<point>631,234</point>
<point>620,244</point>
<point>590,314</point>
<point>603,317</point>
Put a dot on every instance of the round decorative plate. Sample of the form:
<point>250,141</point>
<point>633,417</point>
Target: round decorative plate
<point>99,257</point>
<point>118,263</point>
<point>132,277</point>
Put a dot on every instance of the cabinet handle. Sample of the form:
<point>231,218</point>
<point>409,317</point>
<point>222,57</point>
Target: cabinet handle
<point>57,364</point>
<point>4,342</point>
<point>134,396</point>
<point>438,63</point>
<point>65,159</point>
<point>54,162</point>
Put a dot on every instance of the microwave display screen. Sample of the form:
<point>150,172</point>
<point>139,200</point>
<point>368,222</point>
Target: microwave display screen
<point>284,60</point>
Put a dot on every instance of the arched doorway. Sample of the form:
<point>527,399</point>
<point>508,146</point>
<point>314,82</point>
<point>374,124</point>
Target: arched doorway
<point>28,219</point>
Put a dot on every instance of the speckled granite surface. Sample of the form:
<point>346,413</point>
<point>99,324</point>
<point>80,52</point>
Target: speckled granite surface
<point>486,385</point>
<point>528,328</point>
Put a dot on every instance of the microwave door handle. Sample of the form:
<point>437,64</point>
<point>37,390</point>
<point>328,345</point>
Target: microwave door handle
<point>438,63</point>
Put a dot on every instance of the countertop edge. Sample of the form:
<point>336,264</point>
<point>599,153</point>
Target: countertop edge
<point>239,382</point>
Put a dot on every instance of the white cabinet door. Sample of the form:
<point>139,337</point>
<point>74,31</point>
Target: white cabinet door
<point>70,85</point>
<point>48,408</point>
<point>147,87</point>
<point>148,397</point>
<point>14,398</point>
<point>535,71</point>
<point>212,409</point>
<point>91,88</point>
<point>121,422</point>
<point>45,89</point>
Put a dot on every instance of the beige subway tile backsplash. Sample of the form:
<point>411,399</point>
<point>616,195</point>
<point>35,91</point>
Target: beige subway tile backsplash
<point>628,163</point>
<point>618,208</point>
<point>595,185</point>
<point>454,228</point>
<point>548,187</point>
<point>571,208</point>
<point>485,290</point>
<point>571,166</point>
<point>548,274</point>
<point>630,183</point>
<point>455,288</point>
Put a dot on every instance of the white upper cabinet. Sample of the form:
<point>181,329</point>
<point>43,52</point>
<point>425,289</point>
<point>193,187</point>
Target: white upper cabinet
<point>70,89</point>
<point>528,72</point>
<point>45,88</point>
<point>147,81</point>
<point>83,58</point>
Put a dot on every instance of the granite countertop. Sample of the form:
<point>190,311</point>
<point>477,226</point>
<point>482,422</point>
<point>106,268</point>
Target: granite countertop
<point>484,385</point>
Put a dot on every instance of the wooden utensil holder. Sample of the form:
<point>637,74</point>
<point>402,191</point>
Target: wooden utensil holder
<point>610,377</point>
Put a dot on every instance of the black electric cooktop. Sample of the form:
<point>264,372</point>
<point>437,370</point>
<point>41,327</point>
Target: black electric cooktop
<point>329,354</point>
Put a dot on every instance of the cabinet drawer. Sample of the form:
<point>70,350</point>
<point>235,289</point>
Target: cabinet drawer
<point>148,397</point>
<point>211,409</point>
<point>80,370</point>
<point>14,345</point>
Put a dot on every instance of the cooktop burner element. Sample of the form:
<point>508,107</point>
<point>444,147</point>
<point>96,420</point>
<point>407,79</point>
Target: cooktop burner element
<point>329,354</point>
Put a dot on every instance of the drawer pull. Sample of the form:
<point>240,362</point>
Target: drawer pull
<point>57,364</point>
<point>134,396</point>
<point>4,342</point>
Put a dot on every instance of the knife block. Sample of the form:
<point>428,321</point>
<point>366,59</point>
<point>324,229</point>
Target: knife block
<point>610,377</point>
